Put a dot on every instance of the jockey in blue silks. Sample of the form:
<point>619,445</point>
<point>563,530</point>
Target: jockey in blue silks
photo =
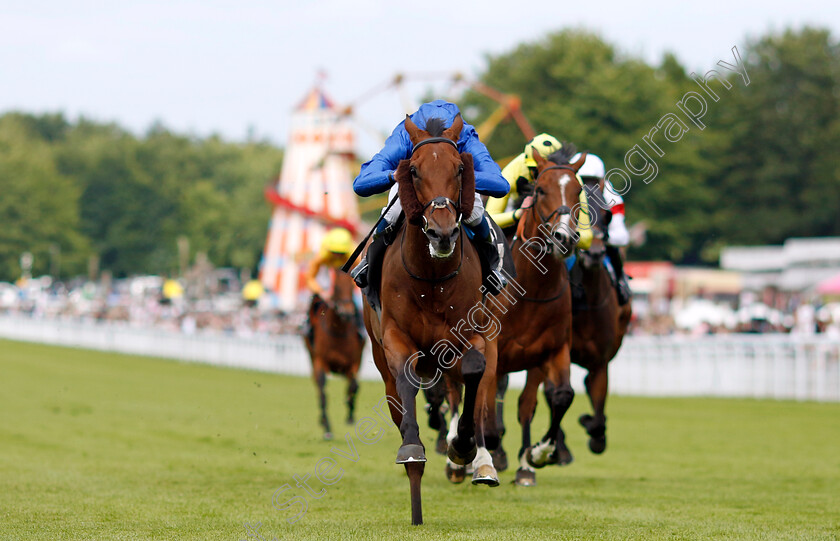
<point>377,175</point>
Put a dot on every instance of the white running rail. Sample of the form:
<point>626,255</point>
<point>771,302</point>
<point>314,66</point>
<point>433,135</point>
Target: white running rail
<point>756,366</point>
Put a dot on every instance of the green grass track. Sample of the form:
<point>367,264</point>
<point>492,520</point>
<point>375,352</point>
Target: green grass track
<point>99,446</point>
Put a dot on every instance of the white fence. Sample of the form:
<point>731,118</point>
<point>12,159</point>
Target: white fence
<point>758,366</point>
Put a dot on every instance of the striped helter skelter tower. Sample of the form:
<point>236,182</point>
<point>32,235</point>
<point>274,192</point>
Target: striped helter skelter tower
<point>313,194</point>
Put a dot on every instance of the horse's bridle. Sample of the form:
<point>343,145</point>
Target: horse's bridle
<point>437,203</point>
<point>559,211</point>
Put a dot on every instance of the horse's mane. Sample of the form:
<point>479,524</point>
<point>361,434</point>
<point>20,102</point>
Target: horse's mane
<point>564,155</point>
<point>435,127</point>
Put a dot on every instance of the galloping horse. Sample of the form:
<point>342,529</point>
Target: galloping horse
<point>431,280</point>
<point>537,316</point>
<point>336,345</point>
<point>599,326</point>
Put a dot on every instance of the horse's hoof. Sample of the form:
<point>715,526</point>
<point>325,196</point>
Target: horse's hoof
<point>351,421</point>
<point>485,475</point>
<point>328,436</point>
<point>440,446</point>
<point>525,478</point>
<point>455,475</point>
<point>561,456</point>
<point>411,452</point>
<point>529,458</point>
<point>500,460</point>
<point>455,456</point>
<point>598,445</point>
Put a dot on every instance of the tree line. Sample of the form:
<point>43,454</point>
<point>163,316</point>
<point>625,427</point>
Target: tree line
<point>763,167</point>
<point>75,190</point>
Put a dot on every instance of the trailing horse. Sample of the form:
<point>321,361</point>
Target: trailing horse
<point>335,344</point>
<point>431,280</point>
<point>536,314</point>
<point>599,326</point>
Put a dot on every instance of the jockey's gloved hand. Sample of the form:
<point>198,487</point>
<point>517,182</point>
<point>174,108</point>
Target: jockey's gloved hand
<point>524,186</point>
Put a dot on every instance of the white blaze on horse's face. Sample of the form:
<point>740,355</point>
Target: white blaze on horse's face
<point>565,220</point>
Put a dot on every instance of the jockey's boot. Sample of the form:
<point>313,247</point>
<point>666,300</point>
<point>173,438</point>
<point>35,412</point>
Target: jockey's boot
<point>622,285</point>
<point>359,273</point>
<point>491,248</point>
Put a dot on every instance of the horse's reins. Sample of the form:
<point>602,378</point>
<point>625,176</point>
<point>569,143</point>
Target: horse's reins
<point>561,210</point>
<point>436,203</point>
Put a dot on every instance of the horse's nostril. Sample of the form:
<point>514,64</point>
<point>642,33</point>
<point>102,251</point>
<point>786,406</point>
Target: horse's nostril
<point>433,234</point>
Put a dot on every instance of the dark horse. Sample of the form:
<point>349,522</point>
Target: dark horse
<point>536,316</point>
<point>599,324</point>
<point>335,344</point>
<point>430,282</point>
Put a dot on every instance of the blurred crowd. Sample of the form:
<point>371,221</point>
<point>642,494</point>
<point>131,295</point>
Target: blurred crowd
<point>152,302</point>
<point>240,307</point>
<point>748,312</point>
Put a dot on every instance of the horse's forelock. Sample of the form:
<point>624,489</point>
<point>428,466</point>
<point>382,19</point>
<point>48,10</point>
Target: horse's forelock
<point>408,195</point>
<point>467,185</point>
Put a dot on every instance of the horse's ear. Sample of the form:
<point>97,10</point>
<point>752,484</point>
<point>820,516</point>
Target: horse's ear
<point>538,158</point>
<point>467,185</point>
<point>578,164</point>
<point>415,133</point>
<point>408,195</point>
<point>454,131</point>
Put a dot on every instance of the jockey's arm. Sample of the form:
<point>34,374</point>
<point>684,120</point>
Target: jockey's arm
<point>488,176</point>
<point>584,228</point>
<point>311,274</point>
<point>497,207</point>
<point>377,174</point>
<point>617,231</point>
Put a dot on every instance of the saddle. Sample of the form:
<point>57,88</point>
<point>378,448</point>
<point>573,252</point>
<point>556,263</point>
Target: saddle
<point>579,301</point>
<point>380,243</point>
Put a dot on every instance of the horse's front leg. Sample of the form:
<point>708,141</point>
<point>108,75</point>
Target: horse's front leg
<point>398,352</point>
<point>500,460</point>
<point>596,425</point>
<point>487,433</point>
<point>526,476</point>
<point>559,395</point>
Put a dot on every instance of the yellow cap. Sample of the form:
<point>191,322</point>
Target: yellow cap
<point>172,289</point>
<point>545,145</point>
<point>338,241</point>
<point>253,290</point>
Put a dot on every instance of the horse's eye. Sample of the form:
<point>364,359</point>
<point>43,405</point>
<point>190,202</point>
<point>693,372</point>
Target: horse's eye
<point>539,191</point>
<point>413,171</point>
<point>460,170</point>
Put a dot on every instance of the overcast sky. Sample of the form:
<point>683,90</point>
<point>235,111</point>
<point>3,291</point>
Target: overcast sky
<point>208,66</point>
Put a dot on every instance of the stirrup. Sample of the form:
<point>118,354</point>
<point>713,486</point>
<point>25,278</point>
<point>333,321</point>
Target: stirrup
<point>359,273</point>
<point>623,290</point>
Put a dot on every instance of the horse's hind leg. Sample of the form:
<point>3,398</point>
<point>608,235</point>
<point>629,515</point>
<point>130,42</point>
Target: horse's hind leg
<point>352,389</point>
<point>525,475</point>
<point>500,460</point>
<point>462,447</point>
<point>597,383</point>
<point>435,397</point>
<point>319,374</point>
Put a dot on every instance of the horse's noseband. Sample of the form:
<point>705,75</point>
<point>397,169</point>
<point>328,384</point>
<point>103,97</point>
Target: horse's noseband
<point>440,203</point>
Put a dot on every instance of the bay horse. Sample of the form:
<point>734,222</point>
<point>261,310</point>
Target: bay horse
<point>431,280</point>
<point>536,315</point>
<point>335,345</point>
<point>599,325</point>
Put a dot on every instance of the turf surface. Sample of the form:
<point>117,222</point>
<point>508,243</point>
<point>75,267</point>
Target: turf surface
<point>102,446</point>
